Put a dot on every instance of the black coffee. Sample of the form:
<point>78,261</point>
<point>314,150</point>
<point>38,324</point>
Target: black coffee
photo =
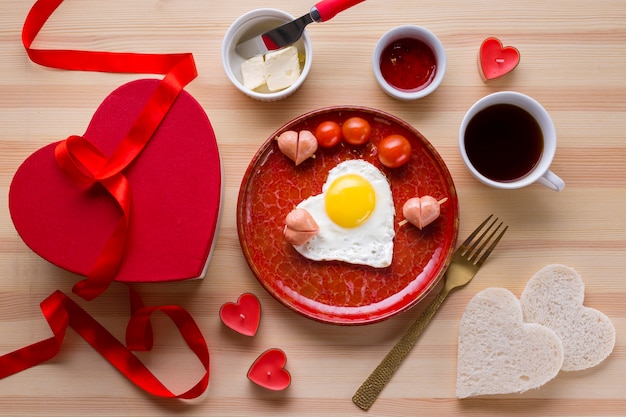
<point>503,142</point>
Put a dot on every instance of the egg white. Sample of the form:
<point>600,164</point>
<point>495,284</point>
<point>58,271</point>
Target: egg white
<point>370,243</point>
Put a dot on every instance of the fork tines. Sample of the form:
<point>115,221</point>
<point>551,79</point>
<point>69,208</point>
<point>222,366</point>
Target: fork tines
<point>469,245</point>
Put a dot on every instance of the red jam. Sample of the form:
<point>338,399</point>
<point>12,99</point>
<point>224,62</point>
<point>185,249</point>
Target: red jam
<point>408,64</point>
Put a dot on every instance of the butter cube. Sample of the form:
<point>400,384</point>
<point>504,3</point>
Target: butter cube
<point>253,72</point>
<point>282,68</point>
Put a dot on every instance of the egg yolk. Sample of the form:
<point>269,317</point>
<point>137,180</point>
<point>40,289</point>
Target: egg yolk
<point>350,200</point>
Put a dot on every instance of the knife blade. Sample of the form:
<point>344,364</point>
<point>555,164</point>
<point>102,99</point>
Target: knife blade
<point>290,32</point>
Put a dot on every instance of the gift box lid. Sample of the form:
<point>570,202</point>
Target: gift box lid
<point>176,190</point>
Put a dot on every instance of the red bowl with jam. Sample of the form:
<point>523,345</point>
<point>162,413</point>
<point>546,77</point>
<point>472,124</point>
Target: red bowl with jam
<point>333,291</point>
<point>409,62</point>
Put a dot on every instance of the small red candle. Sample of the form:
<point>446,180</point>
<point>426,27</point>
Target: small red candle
<point>495,60</point>
<point>269,372</point>
<point>243,316</point>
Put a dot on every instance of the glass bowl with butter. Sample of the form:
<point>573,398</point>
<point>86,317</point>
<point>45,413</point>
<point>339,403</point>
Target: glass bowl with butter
<point>268,76</point>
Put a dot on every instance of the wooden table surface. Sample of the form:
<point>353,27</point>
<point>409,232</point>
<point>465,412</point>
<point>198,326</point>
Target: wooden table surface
<point>573,60</point>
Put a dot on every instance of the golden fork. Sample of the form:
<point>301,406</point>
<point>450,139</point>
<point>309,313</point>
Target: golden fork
<point>466,261</point>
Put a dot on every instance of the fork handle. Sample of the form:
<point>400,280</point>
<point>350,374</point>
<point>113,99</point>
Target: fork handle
<point>374,384</point>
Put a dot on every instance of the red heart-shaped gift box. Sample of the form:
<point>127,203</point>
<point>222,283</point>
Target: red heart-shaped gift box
<point>176,189</point>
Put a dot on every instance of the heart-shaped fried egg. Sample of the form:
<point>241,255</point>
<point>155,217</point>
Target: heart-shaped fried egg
<point>355,214</point>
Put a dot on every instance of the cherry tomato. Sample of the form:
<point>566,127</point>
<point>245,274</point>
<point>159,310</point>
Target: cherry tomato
<point>394,151</point>
<point>356,130</point>
<point>328,134</point>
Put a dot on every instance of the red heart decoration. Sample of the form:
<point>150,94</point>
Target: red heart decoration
<point>243,316</point>
<point>269,372</point>
<point>176,188</point>
<point>496,60</point>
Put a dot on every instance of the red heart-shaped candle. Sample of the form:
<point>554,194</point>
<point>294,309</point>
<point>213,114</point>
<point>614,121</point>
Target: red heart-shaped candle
<point>496,60</point>
<point>268,371</point>
<point>243,316</point>
<point>176,189</point>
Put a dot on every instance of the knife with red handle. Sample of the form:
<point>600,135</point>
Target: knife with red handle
<point>290,32</point>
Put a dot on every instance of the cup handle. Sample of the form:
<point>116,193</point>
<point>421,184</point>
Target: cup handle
<point>552,181</point>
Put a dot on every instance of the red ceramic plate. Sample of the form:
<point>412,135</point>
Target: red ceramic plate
<point>337,292</point>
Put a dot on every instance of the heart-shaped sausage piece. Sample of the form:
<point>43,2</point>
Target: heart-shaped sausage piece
<point>243,316</point>
<point>554,298</point>
<point>176,189</point>
<point>269,372</point>
<point>297,146</point>
<point>300,227</point>
<point>496,60</point>
<point>288,144</point>
<point>500,354</point>
<point>421,211</point>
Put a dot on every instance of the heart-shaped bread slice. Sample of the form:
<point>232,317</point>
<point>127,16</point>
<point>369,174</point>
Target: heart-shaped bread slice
<point>554,298</point>
<point>498,352</point>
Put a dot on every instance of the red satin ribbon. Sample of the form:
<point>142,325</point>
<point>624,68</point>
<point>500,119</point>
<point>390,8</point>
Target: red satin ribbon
<point>61,311</point>
<point>82,162</point>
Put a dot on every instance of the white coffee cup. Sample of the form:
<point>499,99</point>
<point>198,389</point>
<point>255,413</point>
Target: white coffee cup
<point>535,172</point>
